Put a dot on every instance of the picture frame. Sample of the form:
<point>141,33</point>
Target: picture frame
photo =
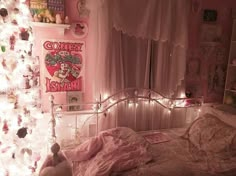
<point>74,98</point>
<point>209,15</point>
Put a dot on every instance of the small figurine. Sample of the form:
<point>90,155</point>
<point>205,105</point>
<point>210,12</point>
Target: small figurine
<point>67,21</point>
<point>58,19</point>
<point>36,18</point>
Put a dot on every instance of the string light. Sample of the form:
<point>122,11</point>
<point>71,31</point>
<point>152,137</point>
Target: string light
<point>19,100</point>
<point>105,96</point>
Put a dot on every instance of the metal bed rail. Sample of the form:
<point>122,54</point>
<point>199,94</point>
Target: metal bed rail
<point>131,96</point>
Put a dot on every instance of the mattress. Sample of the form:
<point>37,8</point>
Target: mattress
<point>170,158</point>
<point>180,157</point>
<point>206,148</point>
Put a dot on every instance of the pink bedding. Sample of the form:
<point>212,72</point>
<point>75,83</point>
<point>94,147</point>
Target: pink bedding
<point>206,148</point>
<point>114,150</point>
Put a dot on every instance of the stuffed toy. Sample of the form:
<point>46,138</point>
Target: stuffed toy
<point>56,164</point>
<point>45,16</point>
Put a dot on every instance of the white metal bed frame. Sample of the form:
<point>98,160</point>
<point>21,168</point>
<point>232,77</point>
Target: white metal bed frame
<point>130,95</point>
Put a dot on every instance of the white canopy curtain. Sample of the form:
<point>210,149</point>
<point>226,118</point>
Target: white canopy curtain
<point>139,43</point>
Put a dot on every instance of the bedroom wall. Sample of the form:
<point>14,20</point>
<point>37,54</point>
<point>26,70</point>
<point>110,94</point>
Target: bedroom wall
<point>208,49</point>
<point>54,33</point>
<point>204,58</point>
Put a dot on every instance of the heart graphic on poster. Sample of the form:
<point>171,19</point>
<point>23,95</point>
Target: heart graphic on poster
<point>63,67</point>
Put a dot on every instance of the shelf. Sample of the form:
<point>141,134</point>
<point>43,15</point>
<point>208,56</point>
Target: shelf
<point>232,65</point>
<point>210,43</point>
<point>60,27</point>
<point>231,90</point>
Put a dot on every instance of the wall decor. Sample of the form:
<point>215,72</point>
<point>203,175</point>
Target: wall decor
<point>79,29</point>
<point>64,63</point>
<point>74,98</point>
<point>82,9</point>
<point>209,15</point>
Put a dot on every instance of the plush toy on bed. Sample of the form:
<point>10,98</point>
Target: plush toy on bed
<point>56,164</point>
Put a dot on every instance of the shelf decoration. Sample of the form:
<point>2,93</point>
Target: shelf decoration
<point>48,11</point>
<point>82,9</point>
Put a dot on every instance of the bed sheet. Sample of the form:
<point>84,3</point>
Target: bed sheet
<point>169,158</point>
<point>178,157</point>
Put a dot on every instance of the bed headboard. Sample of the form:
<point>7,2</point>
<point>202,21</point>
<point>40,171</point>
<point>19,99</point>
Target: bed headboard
<point>135,106</point>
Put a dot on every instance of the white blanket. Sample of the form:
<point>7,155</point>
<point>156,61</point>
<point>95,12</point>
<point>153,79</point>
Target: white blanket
<point>114,150</point>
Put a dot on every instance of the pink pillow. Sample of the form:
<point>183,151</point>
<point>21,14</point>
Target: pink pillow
<point>85,151</point>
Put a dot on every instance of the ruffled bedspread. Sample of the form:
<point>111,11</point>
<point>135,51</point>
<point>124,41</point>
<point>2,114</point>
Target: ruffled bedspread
<point>114,150</point>
<point>206,148</point>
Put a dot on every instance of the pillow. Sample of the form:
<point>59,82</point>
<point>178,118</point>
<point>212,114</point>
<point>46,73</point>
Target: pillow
<point>210,134</point>
<point>85,150</point>
<point>92,146</point>
<point>225,113</point>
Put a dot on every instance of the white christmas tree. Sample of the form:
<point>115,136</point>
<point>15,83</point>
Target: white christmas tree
<point>21,138</point>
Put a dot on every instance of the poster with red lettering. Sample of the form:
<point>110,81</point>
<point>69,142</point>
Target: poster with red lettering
<point>64,63</point>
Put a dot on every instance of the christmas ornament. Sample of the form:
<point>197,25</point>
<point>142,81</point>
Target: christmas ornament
<point>22,132</point>
<point>3,48</point>
<point>4,63</point>
<point>5,128</point>
<point>3,12</point>
<point>13,155</point>
<point>16,10</point>
<point>19,120</point>
<point>24,35</point>
<point>26,111</point>
<point>26,150</point>
<point>5,149</point>
<point>12,42</point>
<point>11,97</point>
<point>14,22</point>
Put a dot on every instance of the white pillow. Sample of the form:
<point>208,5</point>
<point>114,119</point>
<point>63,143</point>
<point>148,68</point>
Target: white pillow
<point>225,113</point>
<point>210,134</point>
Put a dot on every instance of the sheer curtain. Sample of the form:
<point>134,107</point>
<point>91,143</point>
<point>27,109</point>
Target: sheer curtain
<point>140,43</point>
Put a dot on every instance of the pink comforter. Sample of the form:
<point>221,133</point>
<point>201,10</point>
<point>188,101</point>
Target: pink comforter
<point>114,150</point>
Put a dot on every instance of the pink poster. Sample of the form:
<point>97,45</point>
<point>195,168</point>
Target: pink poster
<point>64,62</point>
